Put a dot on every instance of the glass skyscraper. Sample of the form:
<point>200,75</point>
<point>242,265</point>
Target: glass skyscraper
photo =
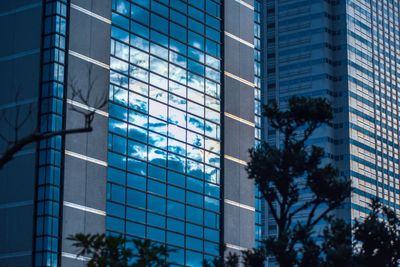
<point>165,160</point>
<point>345,51</point>
<point>185,81</point>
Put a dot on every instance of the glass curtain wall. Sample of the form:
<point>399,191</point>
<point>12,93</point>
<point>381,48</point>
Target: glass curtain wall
<point>259,201</point>
<point>164,125</point>
<point>49,176</point>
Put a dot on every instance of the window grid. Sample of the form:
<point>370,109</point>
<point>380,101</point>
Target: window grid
<point>164,125</point>
<point>259,200</point>
<point>47,233</point>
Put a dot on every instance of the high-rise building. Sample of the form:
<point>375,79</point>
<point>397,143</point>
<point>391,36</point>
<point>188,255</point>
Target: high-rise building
<point>347,52</point>
<point>165,160</point>
<point>184,82</point>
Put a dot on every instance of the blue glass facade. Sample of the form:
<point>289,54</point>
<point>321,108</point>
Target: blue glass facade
<point>51,118</point>
<point>258,93</point>
<point>164,125</point>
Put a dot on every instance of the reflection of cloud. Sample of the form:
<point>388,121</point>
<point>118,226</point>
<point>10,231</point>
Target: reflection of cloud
<point>137,133</point>
<point>195,153</point>
<point>177,147</point>
<point>159,51</point>
<point>159,95</point>
<point>213,74</point>
<point>120,50</point>
<point>212,190</point>
<point>212,159</point>
<point>178,74</point>
<point>177,132</point>
<point>212,103</point>
<point>211,203</point>
<point>176,163</point>
<point>177,117</point>
<point>139,87</point>
<point>213,62</point>
<point>212,130</point>
<point>140,43</point>
<point>195,169</point>
<point>213,89</point>
<point>213,116</point>
<point>196,96</point>
<point>157,156</point>
<point>138,118</point>
<point>158,81</point>
<point>123,7</point>
<point>177,89</point>
<point>211,174</point>
<point>158,109</point>
<point>118,112</point>
<point>212,145</point>
<point>158,126</point>
<point>119,79</point>
<point>195,81</point>
<point>197,45</point>
<point>157,140</point>
<point>195,139</point>
<point>159,66</point>
<point>174,146</point>
<point>138,102</point>
<point>196,54</point>
<point>195,109</point>
<point>119,95</point>
<point>195,123</point>
<point>140,60</point>
<point>177,58</point>
<point>177,102</point>
<point>139,73</point>
<point>137,150</point>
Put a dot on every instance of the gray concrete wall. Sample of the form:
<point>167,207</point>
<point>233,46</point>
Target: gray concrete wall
<point>238,218</point>
<point>86,154</point>
<point>20,31</point>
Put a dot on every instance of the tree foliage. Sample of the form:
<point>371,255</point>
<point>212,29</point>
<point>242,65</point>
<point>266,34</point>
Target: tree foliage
<point>374,241</point>
<point>110,251</point>
<point>377,238</point>
<point>283,173</point>
<point>248,258</point>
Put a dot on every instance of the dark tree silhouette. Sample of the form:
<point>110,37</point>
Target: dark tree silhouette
<point>104,251</point>
<point>337,245</point>
<point>231,260</point>
<point>248,258</point>
<point>283,173</point>
<point>254,257</point>
<point>377,238</point>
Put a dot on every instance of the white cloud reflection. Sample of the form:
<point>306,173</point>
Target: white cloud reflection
<point>172,121</point>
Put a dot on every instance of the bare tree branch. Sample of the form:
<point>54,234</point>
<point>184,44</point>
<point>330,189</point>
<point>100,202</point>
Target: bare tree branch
<point>82,96</point>
<point>36,137</point>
